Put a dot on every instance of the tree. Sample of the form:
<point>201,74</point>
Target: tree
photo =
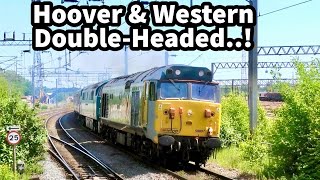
<point>14,111</point>
<point>18,83</point>
<point>295,146</point>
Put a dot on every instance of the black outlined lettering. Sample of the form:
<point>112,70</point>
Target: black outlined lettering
<point>41,38</point>
<point>44,13</point>
<point>41,13</point>
<point>137,15</point>
<point>163,13</point>
<point>95,26</point>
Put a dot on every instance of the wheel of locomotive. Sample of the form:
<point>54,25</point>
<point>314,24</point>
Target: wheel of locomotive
<point>197,164</point>
<point>137,143</point>
<point>164,162</point>
<point>151,150</point>
<point>82,120</point>
<point>114,137</point>
<point>104,132</point>
<point>107,133</point>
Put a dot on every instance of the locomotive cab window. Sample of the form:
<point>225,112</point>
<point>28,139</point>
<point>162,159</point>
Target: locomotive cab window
<point>105,108</point>
<point>173,89</point>
<point>152,91</point>
<point>205,91</point>
<point>92,93</point>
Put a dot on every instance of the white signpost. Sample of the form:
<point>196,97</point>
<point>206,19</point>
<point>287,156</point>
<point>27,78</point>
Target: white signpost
<point>13,138</point>
<point>13,128</point>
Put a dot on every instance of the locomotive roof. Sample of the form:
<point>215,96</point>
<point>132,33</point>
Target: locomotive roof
<point>163,73</point>
<point>95,86</point>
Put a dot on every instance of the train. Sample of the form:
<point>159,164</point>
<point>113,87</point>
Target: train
<point>170,113</point>
<point>270,96</point>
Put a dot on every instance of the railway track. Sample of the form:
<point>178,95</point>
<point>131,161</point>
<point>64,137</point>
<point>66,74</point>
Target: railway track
<point>48,113</point>
<point>145,160</point>
<point>211,173</point>
<point>89,166</point>
<point>77,160</point>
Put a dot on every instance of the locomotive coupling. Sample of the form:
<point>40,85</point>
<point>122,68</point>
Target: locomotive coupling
<point>166,140</point>
<point>213,143</point>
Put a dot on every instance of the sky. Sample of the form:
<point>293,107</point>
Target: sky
<point>295,26</point>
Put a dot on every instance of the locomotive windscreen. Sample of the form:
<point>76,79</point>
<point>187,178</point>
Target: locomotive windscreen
<point>198,90</point>
<point>204,91</point>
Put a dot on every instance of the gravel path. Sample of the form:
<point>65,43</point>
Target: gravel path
<point>119,161</point>
<point>51,170</point>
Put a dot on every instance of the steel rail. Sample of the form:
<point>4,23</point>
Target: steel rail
<point>57,155</point>
<point>89,154</point>
<point>174,174</point>
<point>106,170</point>
<point>62,161</point>
<point>206,171</point>
<point>140,159</point>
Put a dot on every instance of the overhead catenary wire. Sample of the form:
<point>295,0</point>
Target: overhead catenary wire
<point>195,59</point>
<point>271,12</point>
<point>124,20</point>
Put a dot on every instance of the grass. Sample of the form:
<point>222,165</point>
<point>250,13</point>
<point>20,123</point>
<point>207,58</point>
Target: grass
<point>6,172</point>
<point>231,158</point>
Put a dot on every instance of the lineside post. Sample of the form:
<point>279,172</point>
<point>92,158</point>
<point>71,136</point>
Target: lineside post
<point>125,60</point>
<point>253,75</point>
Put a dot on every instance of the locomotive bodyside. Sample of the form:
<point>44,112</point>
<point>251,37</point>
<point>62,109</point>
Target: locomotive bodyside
<point>90,104</point>
<point>140,111</point>
<point>76,102</point>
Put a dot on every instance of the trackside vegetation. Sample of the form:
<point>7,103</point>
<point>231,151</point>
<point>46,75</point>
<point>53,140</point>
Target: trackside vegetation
<point>235,119</point>
<point>31,147</point>
<point>285,147</point>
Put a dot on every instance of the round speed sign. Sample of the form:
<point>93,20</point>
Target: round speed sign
<point>13,137</point>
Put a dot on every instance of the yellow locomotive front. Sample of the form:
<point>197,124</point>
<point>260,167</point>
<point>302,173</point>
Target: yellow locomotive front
<point>182,113</point>
<point>187,115</point>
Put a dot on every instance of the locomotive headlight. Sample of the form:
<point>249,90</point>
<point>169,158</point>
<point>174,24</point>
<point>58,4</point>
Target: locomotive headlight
<point>178,72</point>
<point>201,73</point>
<point>169,71</point>
<point>207,113</point>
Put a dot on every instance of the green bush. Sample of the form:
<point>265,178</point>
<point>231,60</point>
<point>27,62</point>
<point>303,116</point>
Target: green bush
<point>6,173</point>
<point>43,107</point>
<point>234,119</point>
<point>295,145</point>
<point>240,149</point>
<point>254,150</point>
<point>4,88</point>
<point>289,146</point>
<point>14,112</point>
